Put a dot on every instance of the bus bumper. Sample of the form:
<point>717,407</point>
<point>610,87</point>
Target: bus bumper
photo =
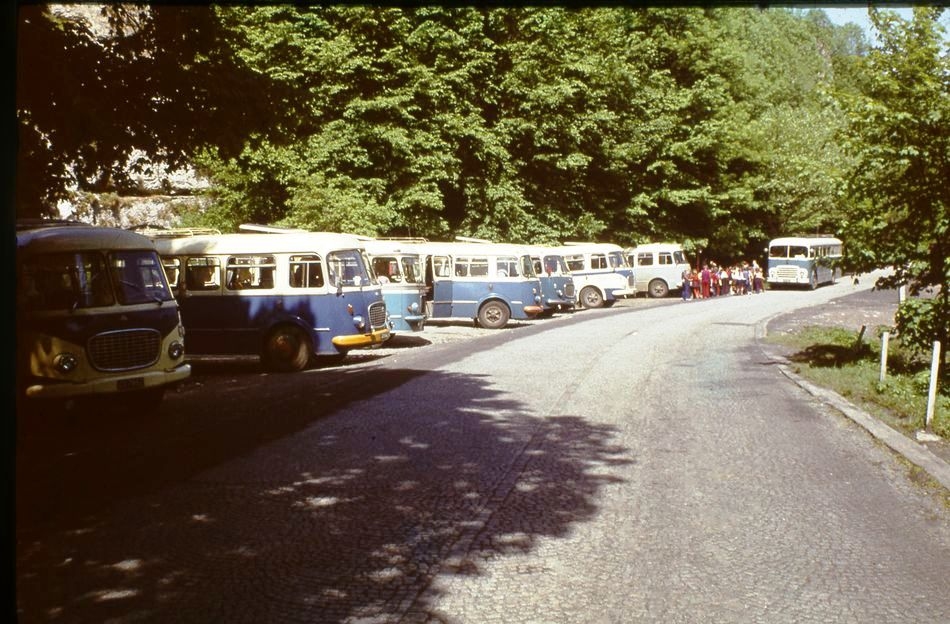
<point>533,310</point>
<point>417,322</point>
<point>108,385</point>
<point>623,293</point>
<point>375,337</point>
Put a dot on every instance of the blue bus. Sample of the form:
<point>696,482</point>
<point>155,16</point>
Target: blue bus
<point>95,316</point>
<point>398,265</point>
<point>285,298</point>
<point>490,283</point>
<point>804,261</point>
<point>557,283</point>
<point>601,273</point>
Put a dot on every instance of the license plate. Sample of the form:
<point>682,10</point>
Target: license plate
<point>136,383</point>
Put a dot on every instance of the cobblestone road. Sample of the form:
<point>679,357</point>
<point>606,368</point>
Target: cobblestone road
<point>630,465</point>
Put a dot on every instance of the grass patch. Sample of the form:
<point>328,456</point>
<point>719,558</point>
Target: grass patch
<point>834,358</point>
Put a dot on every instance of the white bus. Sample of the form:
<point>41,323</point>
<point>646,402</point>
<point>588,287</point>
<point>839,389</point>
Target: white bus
<point>285,298</point>
<point>600,271</point>
<point>95,316</point>
<point>804,261</point>
<point>658,267</point>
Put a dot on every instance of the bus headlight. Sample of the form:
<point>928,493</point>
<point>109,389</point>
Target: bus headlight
<point>537,299</point>
<point>176,350</point>
<point>358,322</point>
<point>413,308</point>
<point>65,362</point>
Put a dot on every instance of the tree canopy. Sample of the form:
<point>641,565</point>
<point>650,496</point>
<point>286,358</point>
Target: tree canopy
<point>899,134</point>
<point>714,127</point>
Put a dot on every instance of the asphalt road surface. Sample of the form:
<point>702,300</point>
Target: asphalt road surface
<point>645,463</point>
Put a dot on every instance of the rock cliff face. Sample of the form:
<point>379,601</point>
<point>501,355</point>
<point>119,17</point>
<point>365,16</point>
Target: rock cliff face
<point>157,195</point>
<point>160,197</point>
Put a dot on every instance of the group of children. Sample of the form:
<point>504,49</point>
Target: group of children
<point>716,281</point>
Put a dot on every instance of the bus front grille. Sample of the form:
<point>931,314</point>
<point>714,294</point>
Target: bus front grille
<point>569,290</point>
<point>377,315</point>
<point>125,350</point>
<point>786,272</point>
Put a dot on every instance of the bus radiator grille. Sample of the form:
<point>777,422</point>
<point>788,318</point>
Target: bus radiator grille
<point>786,272</point>
<point>377,314</point>
<point>569,290</point>
<point>125,350</point>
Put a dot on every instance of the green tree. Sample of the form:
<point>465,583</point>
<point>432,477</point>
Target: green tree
<point>899,137</point>
<point>87,102</point>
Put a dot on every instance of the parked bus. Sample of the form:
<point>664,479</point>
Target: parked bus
<point>489,283</point>
<point>285,298</point>
<point>601,273</point>
<point>557,283</point>
<point>805,261</point>
<point>398,265</point>
<point>95,316</point>
<point>658,267</point>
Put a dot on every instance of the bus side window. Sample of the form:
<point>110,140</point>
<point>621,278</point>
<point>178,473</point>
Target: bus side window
<point>306,272</point>
<point>201,274</point>
<point>666,258</point>
<point>645,259</point>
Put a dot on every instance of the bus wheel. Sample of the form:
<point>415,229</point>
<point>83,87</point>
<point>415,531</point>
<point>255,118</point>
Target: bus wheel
<point>591,298</point>
<point>658,289</point>
<point>493,315</point>
<point>287,350</point>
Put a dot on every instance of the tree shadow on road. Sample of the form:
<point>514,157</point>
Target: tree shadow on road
<point>327,506</point>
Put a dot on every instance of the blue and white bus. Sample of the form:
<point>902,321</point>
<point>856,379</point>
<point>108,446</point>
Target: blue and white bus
<point>489,283</point>
<point>285,298</point>
<point>398,265</point>
<point>804,261</point>
<point>95,316</point>
<point>601,273</point>
<point>557,283</point>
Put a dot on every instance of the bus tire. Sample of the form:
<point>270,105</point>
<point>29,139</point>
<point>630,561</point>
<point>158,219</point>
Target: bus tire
<point>493,315</point>
<point>591,297</point>
<point>658,289</point>
<point>287,350</point>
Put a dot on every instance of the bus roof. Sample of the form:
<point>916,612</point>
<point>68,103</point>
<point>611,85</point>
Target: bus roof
<point>809,241</point>
<point>656,247</point>
<point>377,246</point>
<point>493,249</point>
<point>77,237</point>
<point>578,247</point>
<point>258,243</point>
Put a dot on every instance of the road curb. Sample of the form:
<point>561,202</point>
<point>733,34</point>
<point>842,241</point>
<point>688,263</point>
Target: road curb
<point>916,453</point>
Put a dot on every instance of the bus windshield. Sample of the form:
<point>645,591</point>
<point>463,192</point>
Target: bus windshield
<point>347,268</point>
<point>399,269</point>
<point>60,281</point>
<point>788,251</point>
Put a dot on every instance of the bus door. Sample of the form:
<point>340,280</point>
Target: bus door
<point>439,280</point>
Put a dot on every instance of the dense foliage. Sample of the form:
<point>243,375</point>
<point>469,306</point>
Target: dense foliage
<point>712,127</point>
<point>899,134</point>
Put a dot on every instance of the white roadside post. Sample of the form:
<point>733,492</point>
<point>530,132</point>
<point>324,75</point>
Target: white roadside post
<point>885,337</point>
<point>932,395</point>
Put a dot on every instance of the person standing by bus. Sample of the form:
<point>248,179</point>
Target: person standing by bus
<point>705,280</point>
<point>687,287</point>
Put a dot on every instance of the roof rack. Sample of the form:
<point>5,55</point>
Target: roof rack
<point>403,239</point>
<point>469,239</point>
<point>269,229</point>
<point>159,232</point>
